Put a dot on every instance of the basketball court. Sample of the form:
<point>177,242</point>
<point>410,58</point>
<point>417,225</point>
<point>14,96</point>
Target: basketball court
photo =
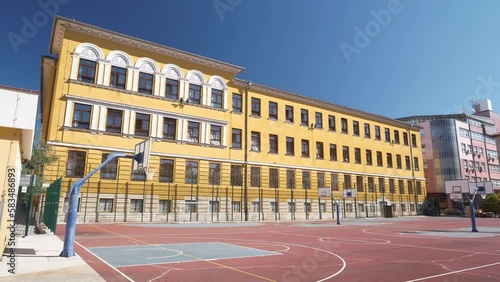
<point>402,249</point>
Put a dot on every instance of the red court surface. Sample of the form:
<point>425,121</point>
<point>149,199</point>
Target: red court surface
<point>403,249</point>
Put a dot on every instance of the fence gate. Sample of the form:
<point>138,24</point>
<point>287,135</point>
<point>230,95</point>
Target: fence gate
<point>52,205</point>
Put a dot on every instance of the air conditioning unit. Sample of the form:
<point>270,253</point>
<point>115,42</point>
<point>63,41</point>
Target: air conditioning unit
<point>467,152</point>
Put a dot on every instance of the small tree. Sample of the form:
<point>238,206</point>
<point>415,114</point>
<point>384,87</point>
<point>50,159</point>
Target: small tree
<point>42,155</point>
<point>491,204</point>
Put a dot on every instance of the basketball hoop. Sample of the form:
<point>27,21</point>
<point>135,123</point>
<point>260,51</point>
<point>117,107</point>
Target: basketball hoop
<point>150,172</point>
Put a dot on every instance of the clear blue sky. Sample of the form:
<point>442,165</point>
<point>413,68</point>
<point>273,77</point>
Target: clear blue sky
<point>428,58</point>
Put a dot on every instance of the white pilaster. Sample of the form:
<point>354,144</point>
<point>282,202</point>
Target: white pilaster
<point>130,78</point>
<point>159,127</point>
<point>203,133</point>
<point>126,121</point>
<point>154,123</point>
<point>156,84</point>
<point>223,135</point>
<point>107,74</point>
<point>131,129</point>
<point>94,119</point>
<point>75,62</point>
<point>102,119</point>
<point>100,71</point>
<point>224,100</point>
<point>68,116</point>
<point>183,88</point>
<point>205,94</point>
<point>162,82</point>
<point>135,79</point>
<point>184,130</point>
<point>178,136</point>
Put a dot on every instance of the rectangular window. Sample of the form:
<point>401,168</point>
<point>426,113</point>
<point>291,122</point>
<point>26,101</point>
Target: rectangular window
<point>215,135</point>
<point>381,185</point>
<point>392,187</point>
<point>190,206</point>
<point>307,207</point>
<point>86,71</point>
<point>304,117</point>
<point>213,206</point>
<point>345,154</point>
<point>387,132</point>
<point>347,181</point>
<point>331,123</point>
<point>379,159</point>
<point>165,206</point>
<point>193,134</point>
<point>172,89</point>
<point>145,83</point>
<point>415,163</point>
<point>255,141</point>
<point>273,110</point>
<point>367,130</point>
<point>405,138</point>
<point>191,176</point>
<point>256,107</point>
<point>237,103</point>
<point>389,160</point>
<point>348,207</point>
<point>138,175</point>
<point>357,155</point>
<point>274,206</point>
<point>214,174</point>
<point>75,166</point>
<point>194,94</point>
<point>290,150</point>
<point>321,179</point>
<point>410,187</point>
<point>359,183</point>
<point>369,157</point>
<point>306,180</point>
<point>169,128</point>
<point>333,152</point>
<point>236,138</point>
<point>217,98</point>
<point>236,178</point>
<point>166,170</point>
<point>361,207</point>
<point>255,206</point>
<point>355,127</point>
<point>407,163</point>
<point>399,163</point>
<point>236,206</point>
<point>401,185</point>
<point>377,132</point>
<point>291,206</point>
<point>305,148</point>
<point>319,150</point>
<point>118,77</point>
<point>335,181</point>
<point>136,205</point>
<point>396,136</point>
<point>343,122</point>
<point>414,140</point>
<point>289,113</point>
<point>255,176</point>
<point>110,169</point>
<point>419,188</point>
<point>290,179</point>
<point>142,125</point>
<point>105,205</point>
<point>273,178</point>
<point>114,121</point>
<point>273,143</point>
<point>371,184</point>
<point>319,120</point>
<point>81,116</point>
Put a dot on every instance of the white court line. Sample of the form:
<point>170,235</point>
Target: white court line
<point>114,268</point>
<point>453,272</point>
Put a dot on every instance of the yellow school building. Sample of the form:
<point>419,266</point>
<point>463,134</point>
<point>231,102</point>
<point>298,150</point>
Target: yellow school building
<point>222,148</point>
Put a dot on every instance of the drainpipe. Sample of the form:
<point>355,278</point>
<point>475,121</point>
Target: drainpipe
<point>245,195</point>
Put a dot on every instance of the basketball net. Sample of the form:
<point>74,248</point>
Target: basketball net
<point>150,172</point>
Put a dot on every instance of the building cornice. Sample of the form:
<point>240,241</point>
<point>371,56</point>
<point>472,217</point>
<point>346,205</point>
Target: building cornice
<point>321,104</point>
<point>62,24</point>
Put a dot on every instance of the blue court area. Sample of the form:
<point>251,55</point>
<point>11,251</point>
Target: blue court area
<point>173,253</point>
<point>459,233</point>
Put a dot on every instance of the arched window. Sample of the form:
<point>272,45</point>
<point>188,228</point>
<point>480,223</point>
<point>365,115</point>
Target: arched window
<point>173,74</point>
<point>218,91</point>
<point>196,79</point>
<point>119,64</point>
<point>87,68</point>
<point>147,68</point>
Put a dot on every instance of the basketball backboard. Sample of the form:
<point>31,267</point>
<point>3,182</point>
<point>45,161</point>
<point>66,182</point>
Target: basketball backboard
<point>456,197</point>
<point>349,193</point>
<point>456,186</point>
<point>324,192</point>
<point>484,188</point>
<point>141,155</point>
